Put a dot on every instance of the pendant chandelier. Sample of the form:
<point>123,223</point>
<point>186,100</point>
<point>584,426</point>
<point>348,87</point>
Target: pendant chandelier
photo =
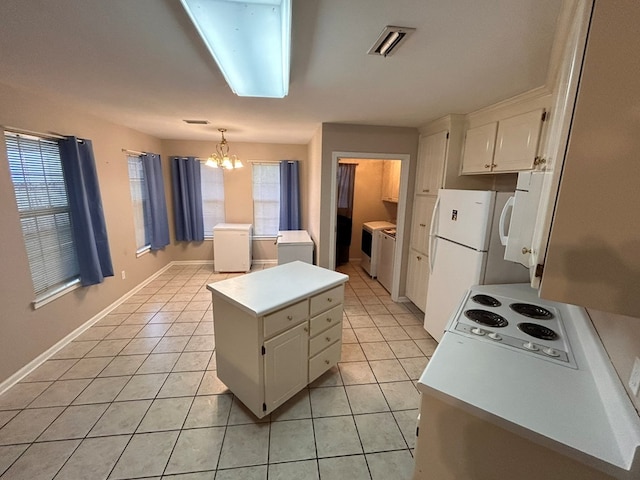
<point>221,158</point>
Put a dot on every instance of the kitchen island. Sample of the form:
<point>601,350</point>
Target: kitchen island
<point>276,331</point>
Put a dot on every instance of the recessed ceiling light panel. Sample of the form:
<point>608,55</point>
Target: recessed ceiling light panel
<point>250,41</point>
<point>389,40</point>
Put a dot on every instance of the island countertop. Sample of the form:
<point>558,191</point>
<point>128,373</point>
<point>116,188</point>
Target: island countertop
<point>265,291</point>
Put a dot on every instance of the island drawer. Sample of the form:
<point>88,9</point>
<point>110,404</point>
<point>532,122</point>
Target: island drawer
<point>326,300</point>
<point>323,340</point>
<point>325,320</point>
<point>324,360</point>
<point>288,317</point>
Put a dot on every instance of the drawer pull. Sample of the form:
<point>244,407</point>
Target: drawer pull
<point>306,329</point>
<point>329,299</point>
<point>486,165</point>
<point>289,317</point>
<point>329,319</point>
<point>419,257</point>
<point>328,339</point>
<point>327,362</point>
<point>423,224</point>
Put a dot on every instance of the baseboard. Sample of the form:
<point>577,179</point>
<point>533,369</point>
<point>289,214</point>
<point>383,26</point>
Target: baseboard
<point>265,262</point>
<point>40,359</point>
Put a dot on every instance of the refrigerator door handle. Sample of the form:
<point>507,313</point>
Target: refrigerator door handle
<point>504,236</point>
<point>434,219</point>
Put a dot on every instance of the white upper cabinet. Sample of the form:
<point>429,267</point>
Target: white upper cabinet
<point>508,145</point>
<point>391,180</point>
<point>479,146</point>
<point>517,142</point>
<point>432,153</point>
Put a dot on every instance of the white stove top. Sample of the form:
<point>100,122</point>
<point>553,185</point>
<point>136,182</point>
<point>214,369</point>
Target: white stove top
<point>531,326</point>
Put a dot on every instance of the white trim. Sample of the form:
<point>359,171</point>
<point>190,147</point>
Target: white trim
<point>191,262</point>
<point>405,158</point>
<point>50,296</point>
<point>265,262</point>
<point>143,251</point>
<point>40,359</point>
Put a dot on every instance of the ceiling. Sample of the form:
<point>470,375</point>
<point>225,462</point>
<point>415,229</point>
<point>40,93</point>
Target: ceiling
<point>140,63</point>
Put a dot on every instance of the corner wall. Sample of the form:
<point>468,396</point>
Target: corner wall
<point>26,333</point>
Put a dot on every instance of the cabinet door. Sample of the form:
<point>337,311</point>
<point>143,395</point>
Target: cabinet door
<point>517,142</point>
<point>390,180</point>
<point>479,146</point>
<point>285,365</point>
<point>431,159</point>
<point>418,278</point>
<point>421,222</point>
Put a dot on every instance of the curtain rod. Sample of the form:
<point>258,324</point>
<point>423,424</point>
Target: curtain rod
<point>135,152</point>
<point>50,135</point>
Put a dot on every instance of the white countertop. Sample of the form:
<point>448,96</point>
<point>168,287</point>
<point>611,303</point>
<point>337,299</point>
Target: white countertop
<point>583,412</point>
<point>265,291</point>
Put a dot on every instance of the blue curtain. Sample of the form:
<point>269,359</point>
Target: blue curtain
<point>187,199</point>
<point>289,195</point>
<point>87,216</point>
<point>159,234</point>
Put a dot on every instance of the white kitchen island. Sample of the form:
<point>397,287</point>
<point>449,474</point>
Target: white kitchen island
<point>276,331</point>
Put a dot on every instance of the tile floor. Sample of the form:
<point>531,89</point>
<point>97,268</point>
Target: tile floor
<point>137,396</point>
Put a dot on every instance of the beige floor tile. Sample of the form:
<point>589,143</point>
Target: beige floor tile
<point>355,373</point>
<point>145,455</point>
<point>336,436</point>
<point>195,450</point>
<point>121,418</point>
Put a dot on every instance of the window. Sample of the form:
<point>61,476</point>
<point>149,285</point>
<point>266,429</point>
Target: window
<point>140,202</point>
<point>43,205</point>
<point>266,199</point>
<point>212,183</point>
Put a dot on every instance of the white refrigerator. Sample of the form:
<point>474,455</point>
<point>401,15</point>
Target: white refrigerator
<point>465,250</point>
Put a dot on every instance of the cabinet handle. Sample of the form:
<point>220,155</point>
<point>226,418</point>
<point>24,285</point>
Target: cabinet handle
<point>289,317</point>
<point>525,250</point>
<point>486,165</point>
<point>306,329</point>
<point>425,189</point>
<point>329,299</point>
<point>419,257</point>
<point>329,319</point>
<point>539,161</point>
<point>423,224</point>
<point>327,362</point>
<point>328,339</point>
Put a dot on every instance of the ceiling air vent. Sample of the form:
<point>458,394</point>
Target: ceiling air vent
<point>389,40</point>
<point>197,122</point>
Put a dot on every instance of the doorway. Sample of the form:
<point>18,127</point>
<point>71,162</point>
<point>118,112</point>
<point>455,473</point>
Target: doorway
<point>369,206</point>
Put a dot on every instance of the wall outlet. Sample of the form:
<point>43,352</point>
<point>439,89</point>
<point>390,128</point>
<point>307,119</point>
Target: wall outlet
<point>634,380</point>
<point>123,275</point>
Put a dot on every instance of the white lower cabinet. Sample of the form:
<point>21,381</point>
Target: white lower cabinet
<point>418,278</point>
<point>276,331</point>
<point>285,365</point>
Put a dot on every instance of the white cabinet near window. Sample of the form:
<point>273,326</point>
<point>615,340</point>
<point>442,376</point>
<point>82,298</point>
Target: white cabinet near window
<point>509,145</point>
<point>277,330</point>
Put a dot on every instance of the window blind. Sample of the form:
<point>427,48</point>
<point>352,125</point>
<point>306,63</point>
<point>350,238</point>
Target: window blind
<point>212,183</point>
<point>43,206</point>
<point>139,201</point>
<point>266,199</point>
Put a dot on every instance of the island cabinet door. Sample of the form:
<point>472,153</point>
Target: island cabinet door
<point>285,365</point>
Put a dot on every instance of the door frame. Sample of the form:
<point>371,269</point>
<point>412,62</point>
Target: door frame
<point>402,203</point>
